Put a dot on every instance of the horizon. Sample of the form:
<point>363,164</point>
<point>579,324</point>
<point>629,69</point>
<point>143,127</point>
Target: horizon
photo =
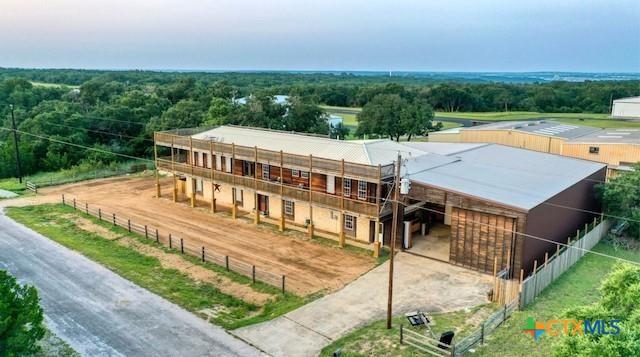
<point>285,35</point>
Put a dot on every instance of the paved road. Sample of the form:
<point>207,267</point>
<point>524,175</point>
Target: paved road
<point>419,283</point>
<point>101,314</point>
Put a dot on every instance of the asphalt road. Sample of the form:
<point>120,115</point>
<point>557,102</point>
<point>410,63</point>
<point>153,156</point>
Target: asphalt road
<point>101,314</point>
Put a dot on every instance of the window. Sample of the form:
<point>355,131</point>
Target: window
<point>346,187</point>
<point>265,171</point>
<point>199,185</point>
<point>218,162</point>
<point>295,173</point>
<point>289,208</point>
<point>362,190</point>
<point>205,162</point>
<point>304,174</point>
<point>349,222</point>
<point>227,162</point>
<point>594,150</point>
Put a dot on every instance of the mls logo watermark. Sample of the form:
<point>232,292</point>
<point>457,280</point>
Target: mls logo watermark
<point>570,327</point>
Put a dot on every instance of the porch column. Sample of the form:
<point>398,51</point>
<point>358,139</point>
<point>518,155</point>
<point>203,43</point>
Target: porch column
<point>341,222</point>
<point>234,205</point>
<point>376,239</point>
<point>193,191</point>
<point>213,197</point>
<point>256,219</point>
<point>407,241</point>
<point>175,188</point>
<point>281,225</point>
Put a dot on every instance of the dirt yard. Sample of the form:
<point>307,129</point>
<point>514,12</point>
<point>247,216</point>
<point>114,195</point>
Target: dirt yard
<point>309,266</point>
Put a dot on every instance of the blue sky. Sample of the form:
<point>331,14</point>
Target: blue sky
<point>420,35</point>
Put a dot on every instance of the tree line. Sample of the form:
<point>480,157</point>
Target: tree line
<point>119,111</point>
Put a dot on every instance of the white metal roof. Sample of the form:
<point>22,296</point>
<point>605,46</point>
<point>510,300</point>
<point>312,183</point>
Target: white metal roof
<point>628,100</point>
<point>442,148</point>
<point>511,176</point>
<point>369,152</point>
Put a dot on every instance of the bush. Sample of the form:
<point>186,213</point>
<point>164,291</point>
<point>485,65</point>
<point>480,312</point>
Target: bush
<point>620,301</point>
<point>20,318</point>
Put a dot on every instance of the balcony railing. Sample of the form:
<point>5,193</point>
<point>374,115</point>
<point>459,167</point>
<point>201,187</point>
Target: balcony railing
<point>292,161</point>
<point>273,187</point>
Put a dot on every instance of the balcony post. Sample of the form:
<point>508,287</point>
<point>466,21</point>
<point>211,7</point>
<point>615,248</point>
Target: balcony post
<point>341,221</point>
<point>173,170</point>
<point>376,241</point>
<point>213,173</point>
<point>310,197</point>
<point>255,185</point>
<point>282,223</point>
<point>155,155</point>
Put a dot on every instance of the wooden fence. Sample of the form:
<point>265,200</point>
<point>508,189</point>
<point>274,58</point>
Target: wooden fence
<point>487,327</point>
<point>31,187</point>
<point>185,247</point>
<point>562,260</point>
<point>424,343</point>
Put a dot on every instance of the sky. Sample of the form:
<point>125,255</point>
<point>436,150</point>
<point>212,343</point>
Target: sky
<point>349,35</point>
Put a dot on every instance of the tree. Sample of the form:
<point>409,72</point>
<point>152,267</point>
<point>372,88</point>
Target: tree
<point>219,111</point>
<point>383,116</point>
<point>185,114</point>
<point>416,118</point>
<point>20,318</point>
<point>305,117</point>
<point>620,301</point>
<point>621,198</point>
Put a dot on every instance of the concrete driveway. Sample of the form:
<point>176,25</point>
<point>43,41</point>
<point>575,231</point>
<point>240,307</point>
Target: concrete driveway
<point>101,314</point>
<point>420,283</point>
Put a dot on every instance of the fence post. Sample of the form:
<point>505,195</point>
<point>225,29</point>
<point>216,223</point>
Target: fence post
<point>504,314</point>
<point>114,219</point>
<point>522,297</point>
<point>203,254</point>
<point>482,334</point>
<point>401,335</point>
<point>283,284</point>
<point>146,231</point>
<point>535,277</point>
<point>181,245</point>
<point>63,202</point>
<point>170,245</point>
<point>226,262</point>
<point>86,208</point>
<point>74,203</point>
<point>129,225</point>
<point>253,274</point>
<point>157,237</point>
<point>99,214</point>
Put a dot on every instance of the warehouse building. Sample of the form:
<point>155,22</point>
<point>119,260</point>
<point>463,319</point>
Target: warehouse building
<point>626,108</point>
<point>469,204</point>
<point>619,148</point>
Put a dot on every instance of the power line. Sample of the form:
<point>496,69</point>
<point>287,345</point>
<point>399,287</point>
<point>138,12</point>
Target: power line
<point>532,236</point>
<point>113,120</point>
<point>98,131</point>
<point>78,145</point>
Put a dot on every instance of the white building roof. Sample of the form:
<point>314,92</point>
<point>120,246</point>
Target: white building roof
<point>628,100</point>
<point>369,152</point>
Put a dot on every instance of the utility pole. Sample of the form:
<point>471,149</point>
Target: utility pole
<point>15,141</point>
<point>394,236</point>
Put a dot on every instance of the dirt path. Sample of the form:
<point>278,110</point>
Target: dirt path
<point>309,267</point>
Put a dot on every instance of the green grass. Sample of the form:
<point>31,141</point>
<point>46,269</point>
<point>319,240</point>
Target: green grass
<point>447,124</point>
<point>12,184</point>
<point>53,85</point>
<point>375,340</point>
<point>148,272</point>
<point>577,287</point>
<point>53,346</point>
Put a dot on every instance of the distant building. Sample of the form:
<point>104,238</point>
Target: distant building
<point>334,120</point>
<point>277,99</point>
<point>627,108</point>
<point>619,148</point>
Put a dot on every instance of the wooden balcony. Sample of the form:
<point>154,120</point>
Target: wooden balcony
<point>272,187</point>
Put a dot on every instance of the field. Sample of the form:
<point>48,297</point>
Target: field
<point>497,116</point>
<point>310,267</point>
<point>53,85</point>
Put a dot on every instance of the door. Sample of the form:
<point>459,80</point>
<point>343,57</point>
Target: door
<point>263,204</point>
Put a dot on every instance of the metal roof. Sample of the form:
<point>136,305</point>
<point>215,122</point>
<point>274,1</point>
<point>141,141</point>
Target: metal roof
<point>540,127</point>
<point>515,177</point>
<point>613,135</point>
<point>628,100</point>
<point>369,152</point>
<point>442,148</point>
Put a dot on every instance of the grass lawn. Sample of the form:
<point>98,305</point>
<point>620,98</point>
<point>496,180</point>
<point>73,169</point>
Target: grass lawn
<point>147,271</point>
<point>375,340</point>
<point>577,287</point>
<point>12,184</point>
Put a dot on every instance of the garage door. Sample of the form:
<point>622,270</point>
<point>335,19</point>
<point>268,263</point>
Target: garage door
<point>477,238</point>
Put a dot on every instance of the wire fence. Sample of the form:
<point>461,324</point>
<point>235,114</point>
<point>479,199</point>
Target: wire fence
<point>487,327</point>
<point>185,247</point>
<point>73,176</point>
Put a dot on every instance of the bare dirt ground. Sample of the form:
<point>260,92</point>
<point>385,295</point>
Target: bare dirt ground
<point>177,262</point>
<point>308,266</point>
